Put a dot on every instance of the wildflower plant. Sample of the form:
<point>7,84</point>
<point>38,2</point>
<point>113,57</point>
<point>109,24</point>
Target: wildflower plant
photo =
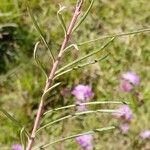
<point>83,93</point>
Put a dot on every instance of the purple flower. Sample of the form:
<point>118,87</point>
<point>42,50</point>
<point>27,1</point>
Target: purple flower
<point>132,77</point>
<point>128,81</point>
<point>125,86</point>
<point>124,113</point>
<point>124,128</point>
<point>16,147</point>
<point>145,134</point>
<point>83,93</point>
<point>85,141</point>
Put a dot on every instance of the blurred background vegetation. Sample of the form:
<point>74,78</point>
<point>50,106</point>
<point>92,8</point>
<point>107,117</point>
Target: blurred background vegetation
<point>21,82</point>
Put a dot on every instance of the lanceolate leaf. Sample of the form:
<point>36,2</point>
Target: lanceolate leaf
<point>46,94</point>
<point>115,35</point>
<point>39,31</point>
<point>77,135</point>
<point>84,16</point>
<point>84,57</point>
<point>39,64</point>
<point>88,103</point>
<point>23,138</point>
<point>13,119</point>
<point>72,45</point>
<point>76,115</point>
<point>80,66</point>
<point>61,19</point>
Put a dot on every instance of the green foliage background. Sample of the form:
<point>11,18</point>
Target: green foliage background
<point>21,82</point>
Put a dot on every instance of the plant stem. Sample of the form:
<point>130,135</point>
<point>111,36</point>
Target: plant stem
<point>49,82</point>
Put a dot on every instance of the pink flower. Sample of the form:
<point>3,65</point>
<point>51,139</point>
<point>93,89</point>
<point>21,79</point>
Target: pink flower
<point>124,113</point>
<point>125,86</point>
<point>16,147</point>
<point>132,77</point>
<point>145,134</point>
<point>128,81</point>
<point>124,128</point>
<point>83,93</point>
<point>85,141</point>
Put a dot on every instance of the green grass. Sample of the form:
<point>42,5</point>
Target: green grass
<point>21,84</point>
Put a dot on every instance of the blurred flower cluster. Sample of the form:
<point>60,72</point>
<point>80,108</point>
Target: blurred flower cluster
<point>83,93</point>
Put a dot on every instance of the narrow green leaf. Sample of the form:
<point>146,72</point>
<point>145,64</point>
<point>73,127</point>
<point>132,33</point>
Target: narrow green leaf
<point>94,111</point>
<point>72,45</point>
<point>23,138</point>
<point>61,19</point>
<point>40,32</point>
<point>77,135</point>
<point>13,119</point>
<point>104,129</point>
<point>53,122</point>
<point>115,35</point>
<point>84,57</point>
<point>80,66</point>
<point>88,103</point>
<point>76,115</point>
<point>84,16</point>
<point>10,117</point>
<point>46,94</point>
<point>39,64</point>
